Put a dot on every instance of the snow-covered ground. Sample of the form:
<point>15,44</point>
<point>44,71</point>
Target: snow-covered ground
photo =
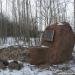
<point>10,41</point>
<point>26,70</point>
<point>63,69</point>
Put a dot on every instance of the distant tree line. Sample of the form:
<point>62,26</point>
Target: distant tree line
<point>28,22</point>
<point>10,28</point>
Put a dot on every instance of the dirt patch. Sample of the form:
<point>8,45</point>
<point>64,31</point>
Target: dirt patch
<point>14,53</point>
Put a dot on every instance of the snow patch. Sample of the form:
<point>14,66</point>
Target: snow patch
<point>11,41</point>
<point>44,46</point>
<point>46,72</point>
<point>59,23</point>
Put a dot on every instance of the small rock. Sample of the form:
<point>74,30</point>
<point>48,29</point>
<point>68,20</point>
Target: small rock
<point>15,65</point>
<point>3,64</point>
<point>66,67</point>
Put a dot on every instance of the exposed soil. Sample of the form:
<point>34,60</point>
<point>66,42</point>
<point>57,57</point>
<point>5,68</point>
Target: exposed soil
<point>14,53</point>
<point>18,54</point>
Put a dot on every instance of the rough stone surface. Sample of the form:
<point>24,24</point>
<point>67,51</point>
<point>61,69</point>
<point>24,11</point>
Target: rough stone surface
<point>60,49</point>
<point>38,55</point>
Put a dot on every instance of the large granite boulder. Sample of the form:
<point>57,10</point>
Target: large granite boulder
<point>59,38</point>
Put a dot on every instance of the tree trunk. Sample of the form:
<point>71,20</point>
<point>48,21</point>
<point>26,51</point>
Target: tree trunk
<point>74,15</point>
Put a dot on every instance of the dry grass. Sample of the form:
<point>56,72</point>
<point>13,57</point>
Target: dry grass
<point>14,53</point>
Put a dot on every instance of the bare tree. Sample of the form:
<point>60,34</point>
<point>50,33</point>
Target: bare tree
<point>74,15</point>
<point>1,17</point>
